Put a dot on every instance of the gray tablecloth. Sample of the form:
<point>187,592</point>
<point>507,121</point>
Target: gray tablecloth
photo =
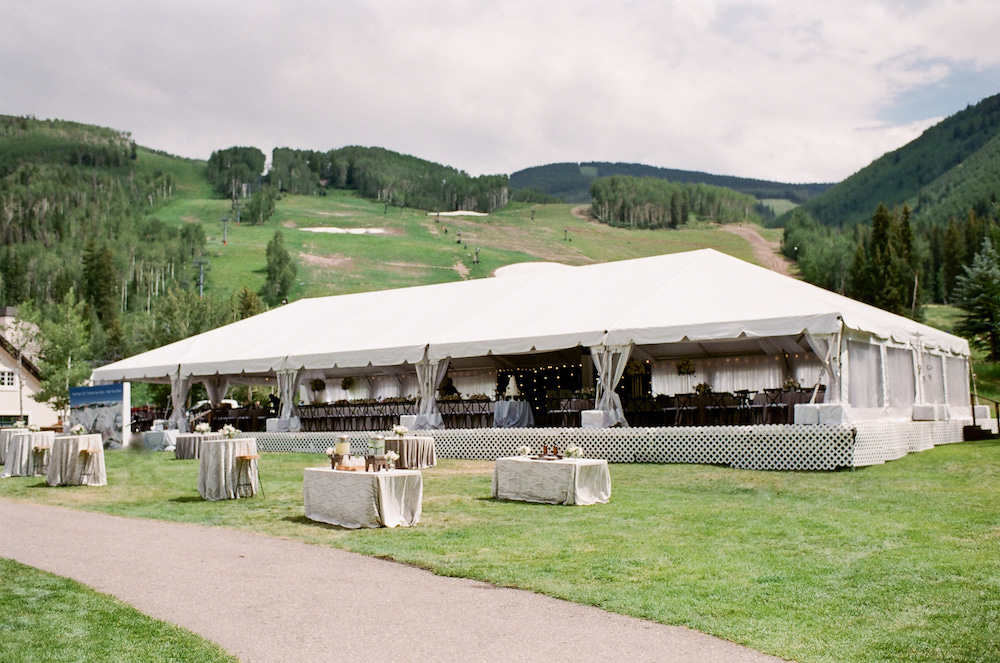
<point>67,465</point>
<point>20,461</point>
<point>513,414</point>
<point>158,440</point>
<point>188,445</point>
<point>415,452</point>
<point>5,435</point>
<point>566,481</point>
<point>363,499</point>
<point>217,468</point>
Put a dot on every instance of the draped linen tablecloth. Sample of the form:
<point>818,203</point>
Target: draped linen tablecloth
<point>392,498</point>
<point>20,461</point>
<point>158,440</point>
<point>513,414</point>
<point>415,452</point>
<point>5,435</point>
<point>67,465</point>
<point>188,445</point>
<point>217,476</point>
<point>565,481</point>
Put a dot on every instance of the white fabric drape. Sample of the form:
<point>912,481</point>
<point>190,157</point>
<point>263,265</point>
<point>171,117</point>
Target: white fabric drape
<point>216,386</point>
<point>610,363</point>
<point>865,366</point>
<point>288,390</point>
<point>179,386</point>
<point>901,385</point>
<point>429,377</point>
<point>827,348</point>
<point>753,373</point>
<point>470,383</point>
<point>957,381</point>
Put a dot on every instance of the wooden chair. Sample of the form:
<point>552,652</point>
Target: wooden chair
<point>89,468</point>
<point>40,459</point>
<point>775,410</point>
<point>683,410</point>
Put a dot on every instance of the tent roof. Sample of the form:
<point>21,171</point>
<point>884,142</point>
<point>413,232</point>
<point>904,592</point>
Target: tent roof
<point>678,298</point>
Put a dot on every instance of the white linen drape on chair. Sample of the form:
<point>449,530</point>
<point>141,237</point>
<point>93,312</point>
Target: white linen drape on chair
<point>610,361</point>
<point>289,381</point>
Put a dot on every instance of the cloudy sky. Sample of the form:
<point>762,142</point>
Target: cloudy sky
<point>788,90</point>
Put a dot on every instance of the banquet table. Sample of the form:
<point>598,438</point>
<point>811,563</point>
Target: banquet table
<point>513,414</point>
<point>563,481</point>
<point>68,465</point>
<point>415,452</point>
<point>20,460</point>
<point>217,468</point>
<point>391,498</point>
<point>158,440</point>
<point>188,445</point>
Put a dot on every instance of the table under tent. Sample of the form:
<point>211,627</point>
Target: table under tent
<point>868,385</point>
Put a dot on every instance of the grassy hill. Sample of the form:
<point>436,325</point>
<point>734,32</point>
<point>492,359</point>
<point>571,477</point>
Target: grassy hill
<point>951,168</point>
<point>571,181</point>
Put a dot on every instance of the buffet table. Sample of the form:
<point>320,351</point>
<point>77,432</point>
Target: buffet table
<point>188,445</point>
<point>513,414</point>
<point>218,474</point>
<point>415,452</point>
<point>563,481</point>
<point>390,498</point>
<point>69,466</point>
<point>20,459</point>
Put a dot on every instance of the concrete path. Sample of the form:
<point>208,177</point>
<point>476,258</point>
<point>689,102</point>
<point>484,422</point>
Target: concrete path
<point>268,599</point>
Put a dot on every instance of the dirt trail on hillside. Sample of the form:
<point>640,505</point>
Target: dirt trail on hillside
<point>768,253</point>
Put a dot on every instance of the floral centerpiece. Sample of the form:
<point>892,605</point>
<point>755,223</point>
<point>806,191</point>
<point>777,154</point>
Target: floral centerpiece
<point>203,427</point>
<point>703,389</point>
<point>390,458</point>
<point>20,424</point>
<point>685,367</point>
<point>78,429</point>
<point>230,431</point>
<point>573,451</point>
<point>791,384</point>
<point>524,450</point>
<point>33,428</point>
<point>400,431</point>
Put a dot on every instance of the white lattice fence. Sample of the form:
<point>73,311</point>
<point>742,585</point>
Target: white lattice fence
<point>769,447</point>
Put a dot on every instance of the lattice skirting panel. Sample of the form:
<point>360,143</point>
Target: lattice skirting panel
<point>768,447</point>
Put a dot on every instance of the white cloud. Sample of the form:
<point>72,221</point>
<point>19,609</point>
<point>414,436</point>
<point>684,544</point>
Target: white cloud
<point>788,90</point>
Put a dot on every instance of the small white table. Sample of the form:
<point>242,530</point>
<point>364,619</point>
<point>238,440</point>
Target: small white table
<point>20,459</point>
<point>218,471</point>
<point>392,498</point>
<point>70,466</point>
<point>415,452</point>
<point>564,481</point>
<point>158,440</point>
<point>188,445</point>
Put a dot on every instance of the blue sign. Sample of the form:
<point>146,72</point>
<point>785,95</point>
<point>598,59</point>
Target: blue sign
<point>105,394</point>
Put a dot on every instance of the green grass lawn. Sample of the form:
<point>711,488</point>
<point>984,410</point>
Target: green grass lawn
<point>47,618</point>
<point>898,562</point>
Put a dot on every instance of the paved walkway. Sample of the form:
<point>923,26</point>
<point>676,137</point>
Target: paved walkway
<point>268,599</point>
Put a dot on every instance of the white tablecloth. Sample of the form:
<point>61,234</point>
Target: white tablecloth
<point>415,452</point>
<point>158,440</point>
<point>67,465</point>
<point>363,499</point>
<point>217,477</point>
<point>565,481</point>
<point>5,435</point>
<point>513,414</point>
<point>188,445</point>
<point>20,461</point>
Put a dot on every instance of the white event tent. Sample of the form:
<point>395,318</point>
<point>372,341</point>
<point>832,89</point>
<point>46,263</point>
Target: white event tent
<point>742,326</point>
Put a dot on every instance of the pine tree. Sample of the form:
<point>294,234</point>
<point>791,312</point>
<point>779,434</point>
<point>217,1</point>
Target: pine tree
<point>977,293</point>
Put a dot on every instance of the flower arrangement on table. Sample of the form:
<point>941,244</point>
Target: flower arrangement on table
<point>703,389</point>
<point>203,427</point>
<point>390,458</point>
<point>230,431</point>
<point>400,431</point>
<point>329,452</point>
<point>524,450</point>
<point>33,428</point>
<point>78,429</point>
<point>20,424</point>
<point>791,384</point>
<point>685,367</point>
<point>573,451</point>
